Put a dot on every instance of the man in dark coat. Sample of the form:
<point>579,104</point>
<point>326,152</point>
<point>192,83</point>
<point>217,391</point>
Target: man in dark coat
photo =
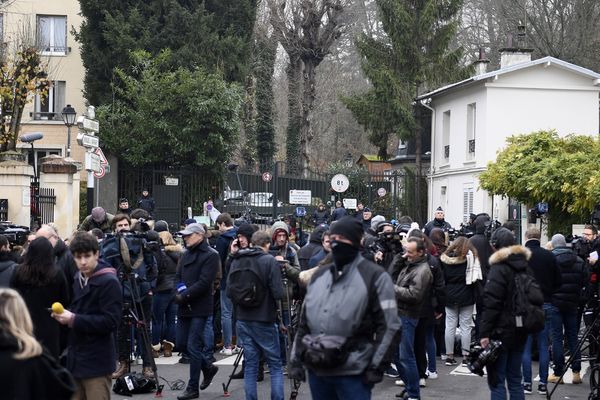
<point>437,222</point>
<point>484,252</point>
<point>339,211</point>
<point>547,274</point>
<point>64,259</point>
<point>93,318</point>
<point>195,276</point>
<point>124,206</point>
<point>498,322</point>
<point>313,247</point>
<point>146,202</point>
<point>320,215</point>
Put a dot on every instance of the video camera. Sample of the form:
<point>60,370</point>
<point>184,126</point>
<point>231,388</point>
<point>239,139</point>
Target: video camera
<point>16,234</point>
<point>464,230</point>
<point>388,242</point>
<point>479,357</point>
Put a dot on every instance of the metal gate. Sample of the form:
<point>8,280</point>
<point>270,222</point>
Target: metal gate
<point>166,190</point>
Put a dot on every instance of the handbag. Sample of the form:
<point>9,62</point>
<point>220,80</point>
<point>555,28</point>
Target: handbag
<point>324,351</point>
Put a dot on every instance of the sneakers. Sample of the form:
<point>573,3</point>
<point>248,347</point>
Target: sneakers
<point>391,372</point>
<point>464,363</point>
<point>527,388</point>
<point>400,382</point>
<point>542,389</point>
<point>422,382</point>
<point>443,357</point>
<point>577,378</point>
<point>148,373</point>
<point>431,375</point>
<point>553,379</point>
<point>451,362</point>
<point>226,351</point>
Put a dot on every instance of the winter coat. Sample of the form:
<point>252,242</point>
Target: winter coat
<point>313,247</point>
<point>7,268</point>
<point>320,217</point>
<point>105,226</point>
<point>412,286</point>
<point>223,242</point>
<point>64,261</point>
<point>435,299</point>
<point>458,293</point>
<point>197,269</point>
<point>545,270</point>
<point>338,213</point>
<point>317,258</point>
<point>497,321</point>
<point>97,307</point>
<point>37,378</point>
<point>146,203</point>
<point>436,223</point>
<point>358,304</point>
<point>482,245</point>
<point>167,268</point>
<point>267,268</point>
<point>39,299</point>
<point>574,278</point>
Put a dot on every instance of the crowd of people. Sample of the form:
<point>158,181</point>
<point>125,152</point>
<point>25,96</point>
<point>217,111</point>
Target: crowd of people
<point>366,297</point>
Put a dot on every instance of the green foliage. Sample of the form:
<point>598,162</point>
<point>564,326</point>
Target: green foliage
<point>357,176</point>
<point>213,34</point>
<point>265,50</point>
<point>543,167</point>
<point>171,115</point>
<point>413,55</point>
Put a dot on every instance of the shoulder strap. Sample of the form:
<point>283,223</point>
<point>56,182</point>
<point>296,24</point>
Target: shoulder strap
<point>127,257</point>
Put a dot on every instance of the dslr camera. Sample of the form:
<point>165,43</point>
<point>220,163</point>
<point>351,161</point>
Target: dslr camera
<point>479,357</point>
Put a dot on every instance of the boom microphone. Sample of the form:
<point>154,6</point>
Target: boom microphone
<point>31,137</point>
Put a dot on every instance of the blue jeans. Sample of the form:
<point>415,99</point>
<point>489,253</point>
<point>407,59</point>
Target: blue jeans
<point>568,320</point>
<point>190,336</point>
<point>408,362</point>
<point>543,338</point>
<point>257,338</point>
<point>164,311</point>
<point>431,348</point>
<point>508,370</point>
<point>349,387</point>
<point>209,340</point>
<point>226,318</point>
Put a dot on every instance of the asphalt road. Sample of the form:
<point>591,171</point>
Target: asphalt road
<point>452,384</point>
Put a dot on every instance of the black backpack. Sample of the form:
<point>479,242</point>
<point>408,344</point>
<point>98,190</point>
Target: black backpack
<point>245,286</point>
<point>527,304</point>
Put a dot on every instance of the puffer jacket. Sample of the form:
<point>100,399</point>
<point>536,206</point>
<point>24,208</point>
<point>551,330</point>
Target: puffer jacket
<point>458,293</point>
<point>412,285</point>
<point>497,321</point>
<point>573,279</point>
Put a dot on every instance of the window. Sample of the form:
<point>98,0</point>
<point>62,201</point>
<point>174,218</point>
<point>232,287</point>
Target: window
<point>471,128</point>
<point>446,134</point>
<point>50,107</point>
<point>34,157</point>
<point>52,34</point>
<point>467,203</point>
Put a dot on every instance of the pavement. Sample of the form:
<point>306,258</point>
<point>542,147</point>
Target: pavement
<point>453,383</point>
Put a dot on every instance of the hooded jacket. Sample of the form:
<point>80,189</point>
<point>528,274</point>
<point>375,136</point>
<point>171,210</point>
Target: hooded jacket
<point>105,226</point>
<point>458,293</point>
<point>223,242</point>
<point>497,321</point>
<point>313,247</point>
<point>97,307</point>
<point>573,279</point>
<point>65,261</point>
<point>320,216</point>
<point>357,303</point>
<point>414,282</point>
<point>543,264</point>
<point>482,244</point>
<point>267,268</point>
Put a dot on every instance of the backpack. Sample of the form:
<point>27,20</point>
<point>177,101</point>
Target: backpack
<point>245,286</point>
<point>133,383</point>
<point>527,304</point>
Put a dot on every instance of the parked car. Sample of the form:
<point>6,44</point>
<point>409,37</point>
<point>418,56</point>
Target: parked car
<point>261,199</point>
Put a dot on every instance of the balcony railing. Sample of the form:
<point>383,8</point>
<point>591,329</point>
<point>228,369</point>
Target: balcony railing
<point>45,116</point>
<point>447,151</point>
<point>472,146</point>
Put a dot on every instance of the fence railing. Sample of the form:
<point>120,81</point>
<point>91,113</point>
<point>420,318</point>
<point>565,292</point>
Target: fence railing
<point>43,201</point>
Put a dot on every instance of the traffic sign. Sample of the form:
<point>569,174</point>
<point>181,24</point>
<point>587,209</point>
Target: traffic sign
<point>88,140</point>
<point>300,196</point>
<point>89,125</point>
<point>92,162</point>
<point>104,166</point>
<point>381,192</point>
<point>340,183</point>
<point>266,176</point>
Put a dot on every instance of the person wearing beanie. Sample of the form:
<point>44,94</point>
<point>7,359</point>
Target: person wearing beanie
<point>347,296</point>
<point>437,222</point>
<point>566,302</point>
<point>543,264</point>
<point>497,321</point>
<point>99,218</point>
<point>161,226</point>
<point>375,221</point>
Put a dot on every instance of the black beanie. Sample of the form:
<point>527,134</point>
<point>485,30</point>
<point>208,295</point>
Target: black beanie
<point>348,227</point>
<point>246,230</point>
<point>502,237</point>
<point>161,226</point>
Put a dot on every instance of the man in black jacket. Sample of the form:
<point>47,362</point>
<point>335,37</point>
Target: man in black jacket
<point>195,276</point>
<point>498,322</point>
<point>484,252</point>
<point>437,222</point>
<point>547,274</point>
<point>313,247</point>
<point>565,301</point>
<point>256,325</point>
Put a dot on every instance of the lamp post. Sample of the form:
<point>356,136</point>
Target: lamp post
<point>69,115</point>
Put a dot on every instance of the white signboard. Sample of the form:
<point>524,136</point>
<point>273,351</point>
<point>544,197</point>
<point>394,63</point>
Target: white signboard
<point>92,162</point>
<point>300,196</point>
<point>171,181</point>
<point>90,125</point>
<point>349,204</point>
<point>340,183</point>
<point>88,140</point>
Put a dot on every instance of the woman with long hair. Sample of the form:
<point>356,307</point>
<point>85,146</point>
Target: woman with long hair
<point>459,262</point>
<point>27,371</point>
<point>41,283</point>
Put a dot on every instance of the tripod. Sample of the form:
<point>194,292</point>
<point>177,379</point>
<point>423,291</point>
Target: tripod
<point>236,364</point>
<point>293,321</point>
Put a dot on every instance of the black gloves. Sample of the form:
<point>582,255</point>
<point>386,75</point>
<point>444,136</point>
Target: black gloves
<point>180,299</point>
<point>372,376</point>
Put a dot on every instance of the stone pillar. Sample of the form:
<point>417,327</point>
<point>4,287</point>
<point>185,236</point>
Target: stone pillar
<point>15,185</point>
<point>57,174</point>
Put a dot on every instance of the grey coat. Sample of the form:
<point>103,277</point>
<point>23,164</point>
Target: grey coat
<point>411,287</point>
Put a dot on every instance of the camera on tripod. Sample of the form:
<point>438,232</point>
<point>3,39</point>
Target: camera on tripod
<point>388,242</point>
<point>479,357</point>
<point>15,234</point>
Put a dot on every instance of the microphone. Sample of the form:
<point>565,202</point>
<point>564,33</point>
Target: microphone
<point>31,137</point>
<point>57,308</point>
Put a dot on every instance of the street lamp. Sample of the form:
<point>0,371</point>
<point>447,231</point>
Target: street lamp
<point>69,115</point>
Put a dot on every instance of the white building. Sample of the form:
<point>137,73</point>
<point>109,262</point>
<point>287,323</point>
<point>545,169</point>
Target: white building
<point>472,119</point>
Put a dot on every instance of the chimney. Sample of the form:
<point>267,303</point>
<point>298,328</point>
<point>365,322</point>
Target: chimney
<point>515,54</point>
<point>481,63</point>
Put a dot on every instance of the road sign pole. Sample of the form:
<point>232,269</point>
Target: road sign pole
<point>90,192</point>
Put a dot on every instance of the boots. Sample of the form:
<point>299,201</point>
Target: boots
<point>121,370</point>
<point>156,350</point>
<point>167,348</point>
<point>148,373</point>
